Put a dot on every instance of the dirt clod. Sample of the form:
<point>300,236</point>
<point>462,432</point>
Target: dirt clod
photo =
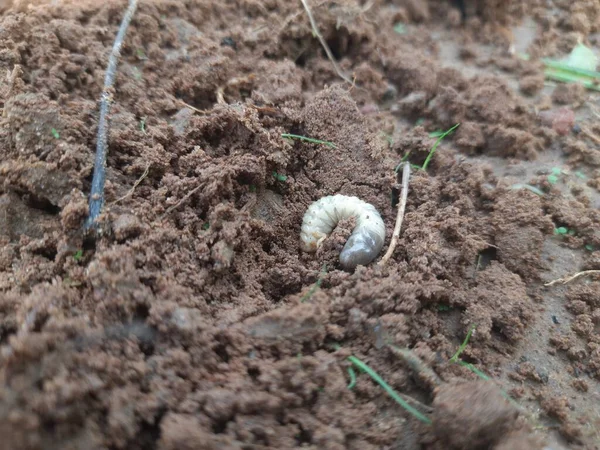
<point>472,415</point>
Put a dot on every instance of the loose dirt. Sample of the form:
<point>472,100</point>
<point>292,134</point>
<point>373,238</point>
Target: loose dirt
<point>195,321</point>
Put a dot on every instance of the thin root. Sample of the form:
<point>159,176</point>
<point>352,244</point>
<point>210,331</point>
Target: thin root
<point>319,36</point>
<point>572,277</point>
<point>135,185</point>
<point>420,406</point>
<point>399,217</point>
<point>182,201</point>
<point>199,111</point>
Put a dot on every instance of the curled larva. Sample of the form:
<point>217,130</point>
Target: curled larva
<point>366,240</point>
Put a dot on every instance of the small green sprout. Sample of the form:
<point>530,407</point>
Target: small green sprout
<point>316,285</point>
<point>352,375</point>
<point>435,146</point>
<point>141,54</point>
<point>463,345</point>
<point>580,174</point>
<point>143,125</point>
<point>420,121</point>
<point>561,231</point>
<point>279,176</point>
<point>205,226</point>
<point>443,308</point>
<point>252,188</point>
<point>589,247</point>
<point>435,134</point>
<point>555,172</point>
<point>387,137</point>
<point>78,255</point>
<point>137,74</point>
<point>55,133</point>
<point>400,28</point>
<point>307,139</point>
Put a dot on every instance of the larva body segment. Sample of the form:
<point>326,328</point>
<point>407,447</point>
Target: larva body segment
<point>366,240</point>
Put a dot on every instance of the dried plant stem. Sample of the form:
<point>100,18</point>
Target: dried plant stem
<point>319,36</point>
<point>591,135</point>
<point>135,185</point>
<point>97,192</point>
<point>399,217</point>
<point>185,198</point>
<point>417,365</point>
<point>573,277</point>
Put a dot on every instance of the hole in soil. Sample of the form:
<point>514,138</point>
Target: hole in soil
<point>340,44</point>
<point>41,204</point>
<point>486,257</point>
<point>203,101</point>
<point>460,4</point>
<point>303,437</point>
<point>219,427</point>
<point>141,313</point>
<point>148,435</point>
<point>395,196</point>
<point>89,243</point>
<point>221,351</point>
<point>253,372</point>
<point>47,252</point>
<point>39,321</point>
<point>267,246</point>
<point>498,333</point>
<point>7,330</point>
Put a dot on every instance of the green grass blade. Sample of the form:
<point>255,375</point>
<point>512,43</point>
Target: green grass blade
<point>387,388</point>
<point>307,139</point>
<point>463,345</point>
<point>569,78</point>
<point>435,146</point>
<point>564,67</point>
<point>352,374</point>
<point>316,285</point>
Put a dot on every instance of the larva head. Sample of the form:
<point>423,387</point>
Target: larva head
<point>360,249</point>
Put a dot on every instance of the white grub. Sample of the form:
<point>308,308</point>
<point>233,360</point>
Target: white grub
<point>366,240</point>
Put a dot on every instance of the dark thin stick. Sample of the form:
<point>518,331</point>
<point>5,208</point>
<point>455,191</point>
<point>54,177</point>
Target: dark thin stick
<point>97,193</point>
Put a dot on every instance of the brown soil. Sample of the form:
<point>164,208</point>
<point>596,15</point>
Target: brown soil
<point>195,321</point>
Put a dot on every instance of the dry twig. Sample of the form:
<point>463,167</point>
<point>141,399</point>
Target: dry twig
<point>399,217</point>
<point>185,198</point>
<point>572,277</point>
<point>135,185</point>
